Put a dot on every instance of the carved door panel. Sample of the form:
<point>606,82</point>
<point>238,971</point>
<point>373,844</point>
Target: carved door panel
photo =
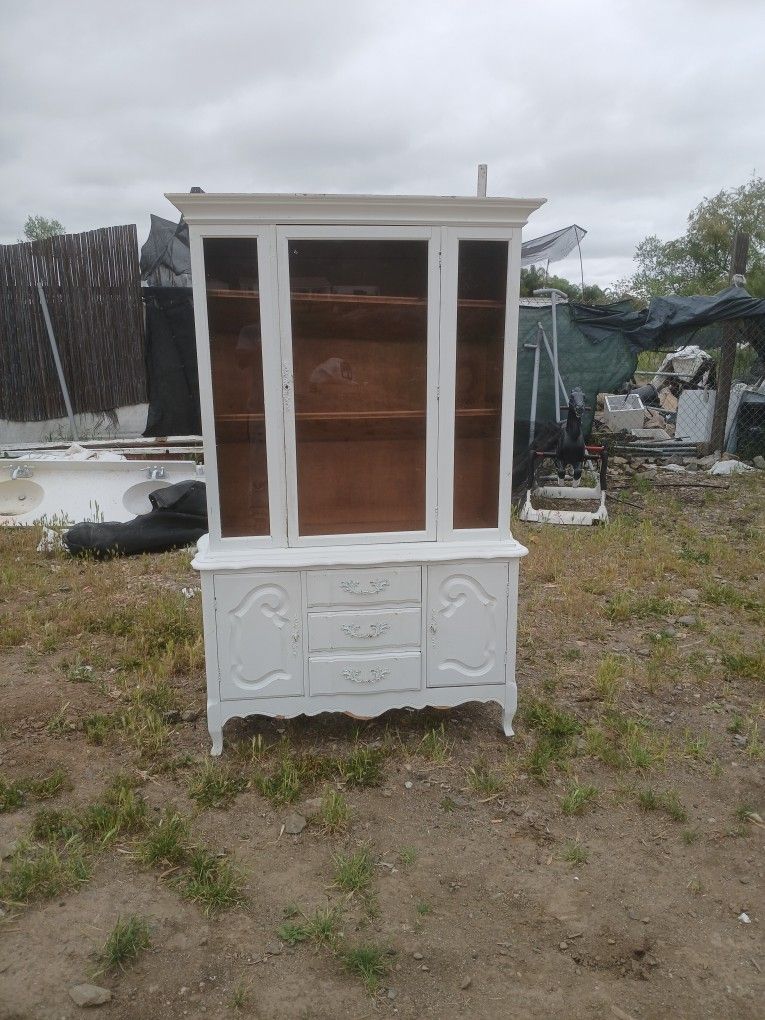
<point>467,624</point>
<point>260,644</point>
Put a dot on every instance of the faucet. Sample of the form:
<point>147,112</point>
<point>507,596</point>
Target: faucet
<point>21,471</point>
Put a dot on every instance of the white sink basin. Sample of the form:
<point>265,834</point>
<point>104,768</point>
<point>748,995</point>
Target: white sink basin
<point>136,499</point>
<point>19,496</point>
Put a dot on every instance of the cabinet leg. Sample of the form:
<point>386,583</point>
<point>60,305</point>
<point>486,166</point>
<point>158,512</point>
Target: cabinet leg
<point>507,721</point>
<point>216,735</point>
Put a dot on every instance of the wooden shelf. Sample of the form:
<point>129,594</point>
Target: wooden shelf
<point>352,299</point>
<point>358,416</point>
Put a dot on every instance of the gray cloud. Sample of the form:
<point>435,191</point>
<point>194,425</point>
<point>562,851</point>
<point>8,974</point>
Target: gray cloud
<point>623,115</point>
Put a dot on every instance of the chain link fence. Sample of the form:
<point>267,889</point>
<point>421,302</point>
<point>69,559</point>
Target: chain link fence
<point>670,408</point>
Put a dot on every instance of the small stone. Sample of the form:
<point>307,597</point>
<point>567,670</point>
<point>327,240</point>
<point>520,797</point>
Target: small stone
<point>563,945</point>
<point>89,995</point>
<point>409,784</point>
<point>612,942</point>
<point>189,715</point>
<point>425,967</point>
<point>688,621</point>
<point>692,594</point>
<point>171,717</point>
<point>7,850</point>
<point>274,949</point>
<point>417,955</point>
<point>740,739</point>
<point>183,990</point>
<point>312,807</point>
<point>465,983</point>
<point>744,918</point>
<point>759,462</point>
<point>153,989</point>
<point>392,993</point>
<point>646,920</point>
<point>294,824</point>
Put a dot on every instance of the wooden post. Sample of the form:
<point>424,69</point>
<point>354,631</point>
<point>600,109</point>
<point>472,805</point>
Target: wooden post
<point>738,256</point>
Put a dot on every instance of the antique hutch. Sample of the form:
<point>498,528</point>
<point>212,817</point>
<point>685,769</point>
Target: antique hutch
<point>357,378</point>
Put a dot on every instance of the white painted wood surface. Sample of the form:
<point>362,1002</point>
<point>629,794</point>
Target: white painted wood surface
<point>357,623</point>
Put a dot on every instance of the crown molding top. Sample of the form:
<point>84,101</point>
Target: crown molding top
<point>404,210</point>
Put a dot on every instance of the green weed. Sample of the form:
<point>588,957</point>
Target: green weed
<point>353,872</point>
<point>210,881</point>
<point>127,940</point>
<point>369,962</point>
<point>577,799</point>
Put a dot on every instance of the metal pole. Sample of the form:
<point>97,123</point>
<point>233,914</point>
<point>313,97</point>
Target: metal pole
<point>739,253</point>
<point>57,360</point>
<point>550,356</point>
<point>556,373</point>
<point>534,386</point>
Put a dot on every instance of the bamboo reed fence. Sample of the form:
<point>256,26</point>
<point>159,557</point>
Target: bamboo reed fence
<point>92,286</point>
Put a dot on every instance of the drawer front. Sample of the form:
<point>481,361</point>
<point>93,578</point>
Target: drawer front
<point>368,674</point>
<point>358,631</point>
<point>364,587</point>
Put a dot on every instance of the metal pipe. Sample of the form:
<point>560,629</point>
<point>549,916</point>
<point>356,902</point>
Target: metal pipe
<point>57,360</point>
<point>534,387</point>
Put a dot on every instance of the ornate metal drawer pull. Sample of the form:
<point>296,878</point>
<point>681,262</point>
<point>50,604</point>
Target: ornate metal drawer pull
<point>375,630</point>
<point>375,587</point>
<point>375,675</point>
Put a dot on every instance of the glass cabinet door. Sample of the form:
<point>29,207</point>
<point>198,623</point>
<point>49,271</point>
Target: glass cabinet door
<point>236,360</point>
<point>359,335</point>
<point>480,350</point>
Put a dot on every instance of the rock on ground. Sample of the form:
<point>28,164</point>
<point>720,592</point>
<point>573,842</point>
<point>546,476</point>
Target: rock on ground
<point>89,995</point>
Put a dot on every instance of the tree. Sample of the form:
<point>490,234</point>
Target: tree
<point>37,228</point>
<point>534,278</point>
<point>699,261</point>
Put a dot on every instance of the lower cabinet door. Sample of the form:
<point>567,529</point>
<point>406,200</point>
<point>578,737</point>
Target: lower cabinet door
<point>466,624</point>
<point>260,645</point>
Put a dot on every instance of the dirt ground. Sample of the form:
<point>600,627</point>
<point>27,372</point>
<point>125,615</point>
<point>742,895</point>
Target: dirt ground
<point>598,864</point>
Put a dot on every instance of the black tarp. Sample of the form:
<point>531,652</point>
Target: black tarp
<point>178,517</point>
<point>171,362</point>
<point>669,322</point>
<point>171,353</point>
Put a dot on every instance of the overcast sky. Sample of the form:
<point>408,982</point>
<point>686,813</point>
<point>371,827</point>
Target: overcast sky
<point>622,114</point>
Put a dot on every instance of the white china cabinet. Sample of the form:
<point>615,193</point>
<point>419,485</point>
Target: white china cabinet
<point>357,377</point>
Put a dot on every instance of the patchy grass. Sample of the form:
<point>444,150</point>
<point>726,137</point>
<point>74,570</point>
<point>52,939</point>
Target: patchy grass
<point>578,798</point>
<point>353,872</point>
<point>407,855</point>
<point>746,667</point>
<point>97,728</point>
<point>363,766</point>
<point>42,871</point>
<point>484,780</point>
<point>211,881</point>
<point>213,785</point>
<point>335,812</point>
<point>556,731</point>
<point>120,811</point>
<point>126,941</point>
<point>668,802</point>
<point>575,852</point>
<point>50,825</point>
<point>320,927</point>
<point>609,678</point>
<point>368,961</point>
<point>434,746</point>
<point>166,842</point>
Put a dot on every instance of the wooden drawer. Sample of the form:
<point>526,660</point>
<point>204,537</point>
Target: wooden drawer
<point>367,674</point>
<point>359,587</point>
<point>358,631</point>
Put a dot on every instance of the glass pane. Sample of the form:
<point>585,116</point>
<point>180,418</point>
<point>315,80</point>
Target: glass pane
<point>233,313</point>
<point>359,344</point>
<point>481,293</point>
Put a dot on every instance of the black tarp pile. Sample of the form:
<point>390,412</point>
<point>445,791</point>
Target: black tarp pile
<point>178,517</point>
<point>672,322</point>
<point>171,354</point>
